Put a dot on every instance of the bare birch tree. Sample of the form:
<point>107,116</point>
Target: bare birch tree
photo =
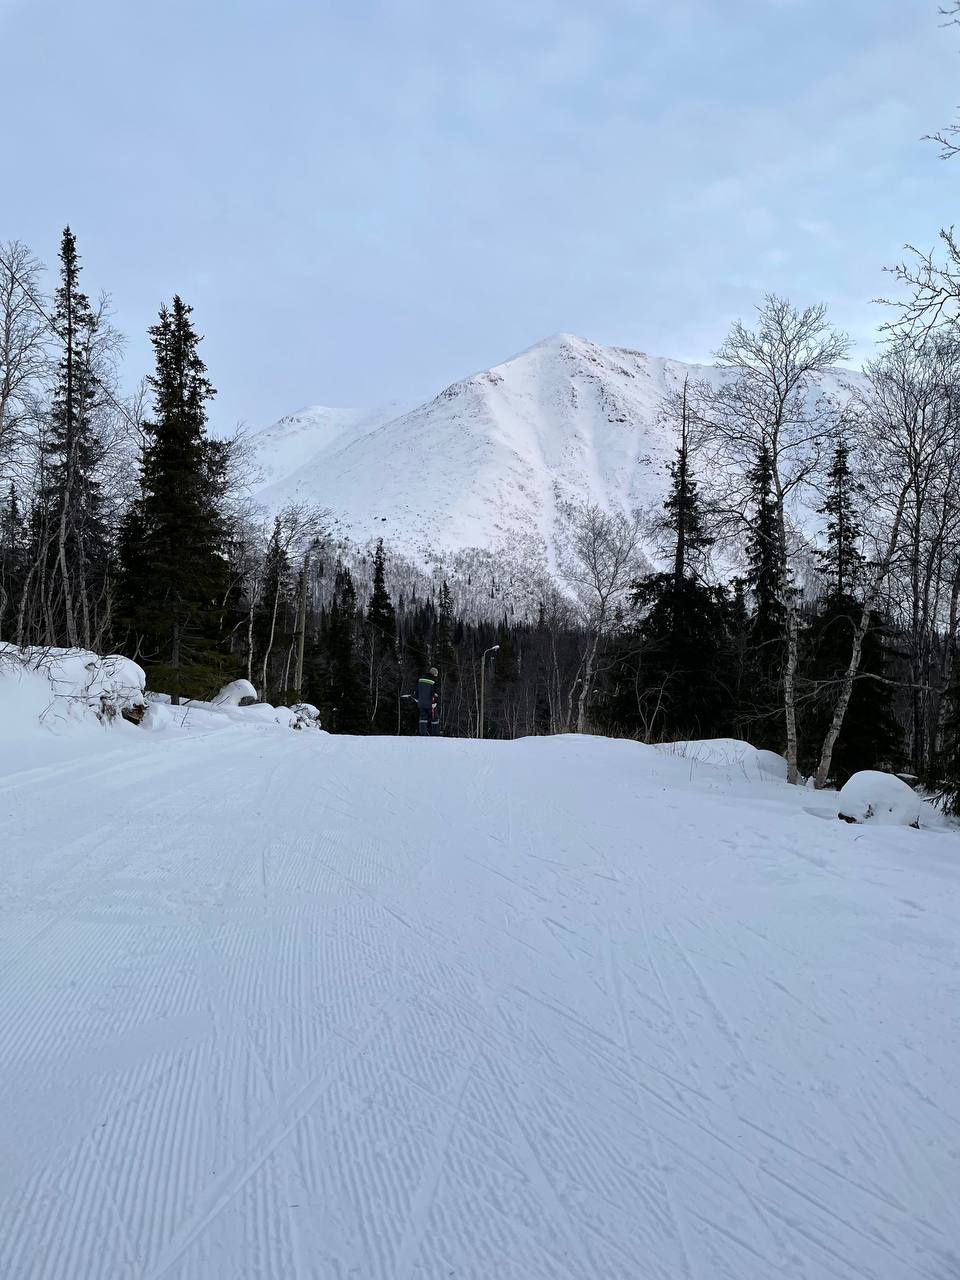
<point>599,560</point>
<point>24,357</point>
<point>908,429</point>
<point>773,404</point>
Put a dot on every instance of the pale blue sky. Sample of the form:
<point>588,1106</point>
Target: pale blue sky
<point>366,199</point>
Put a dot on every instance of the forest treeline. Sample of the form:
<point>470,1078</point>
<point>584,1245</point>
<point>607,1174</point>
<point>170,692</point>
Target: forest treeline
<point>799,587</point>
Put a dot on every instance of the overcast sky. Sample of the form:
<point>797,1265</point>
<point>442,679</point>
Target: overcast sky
<point>367,199</point>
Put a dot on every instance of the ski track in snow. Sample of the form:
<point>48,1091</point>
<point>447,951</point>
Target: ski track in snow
<point>276,1006</point>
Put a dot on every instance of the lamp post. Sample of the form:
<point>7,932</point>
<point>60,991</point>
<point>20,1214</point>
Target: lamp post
<point>483,667</point>
<point>399,705</point>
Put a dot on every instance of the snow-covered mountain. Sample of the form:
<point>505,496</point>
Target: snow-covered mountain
<point>488,462</point>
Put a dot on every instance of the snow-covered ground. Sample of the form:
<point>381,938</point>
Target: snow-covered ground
<point>278,1005</point>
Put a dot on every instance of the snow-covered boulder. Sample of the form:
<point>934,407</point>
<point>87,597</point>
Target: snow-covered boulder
<point>871,796</point>
<point>56,686</point>
<point>238,693</point>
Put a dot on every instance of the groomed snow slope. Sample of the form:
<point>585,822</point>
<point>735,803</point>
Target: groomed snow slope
<point>278,1005</point>
<point>489,461</point>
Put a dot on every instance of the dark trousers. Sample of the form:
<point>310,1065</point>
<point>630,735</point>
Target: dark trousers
<point>428,728</point>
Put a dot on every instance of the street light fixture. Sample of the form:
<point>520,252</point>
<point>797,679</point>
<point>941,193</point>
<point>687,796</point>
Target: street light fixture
<point>483,667</point>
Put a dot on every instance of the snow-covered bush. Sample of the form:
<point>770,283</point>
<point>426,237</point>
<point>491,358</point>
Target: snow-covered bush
<point>307,716</point>
<point>55,686</point>
<point>871,796</point>
<point>238,693</point>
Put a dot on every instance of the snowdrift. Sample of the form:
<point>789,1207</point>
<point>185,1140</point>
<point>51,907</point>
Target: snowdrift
<point>234,704</point>
<point>56,688</point>
<point>49,689</point>
<point>730,753</point>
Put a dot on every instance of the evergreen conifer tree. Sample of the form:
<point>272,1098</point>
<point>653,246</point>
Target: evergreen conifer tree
<point>764,560</point>
<point>346,690</point>
<point>446,636</point>
<point>72,531</point>
<point>761,709</point>
<point>841,562</point>
<point>175,576</point>
<point>271,628</point>
<point>871,736</point>
<point>669,679</point>
<point>12,561</point>
<point>383,659</point>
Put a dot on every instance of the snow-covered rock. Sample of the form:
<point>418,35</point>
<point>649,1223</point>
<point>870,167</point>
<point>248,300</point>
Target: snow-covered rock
<point>55,687</point>
<point>237,693</point>
<point>871,796</point>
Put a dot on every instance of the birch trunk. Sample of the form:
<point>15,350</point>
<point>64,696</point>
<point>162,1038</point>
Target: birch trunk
<point>789,695</point>
<point>856,652</point>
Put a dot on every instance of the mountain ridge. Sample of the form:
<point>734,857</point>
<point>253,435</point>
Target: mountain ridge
<point>490,461</point>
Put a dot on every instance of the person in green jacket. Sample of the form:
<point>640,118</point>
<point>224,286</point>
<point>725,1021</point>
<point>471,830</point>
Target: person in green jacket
<point>428,704</point>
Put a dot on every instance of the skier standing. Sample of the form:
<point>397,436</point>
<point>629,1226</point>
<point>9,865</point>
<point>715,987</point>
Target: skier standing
<point>428,703</point>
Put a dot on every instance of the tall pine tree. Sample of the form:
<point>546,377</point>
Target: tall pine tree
<point>383,658</point>
<point>679,687</point>
<point>272,618</point>
<point>71,529</point>
<point>871,737</point>
<point>175,575</point>
<point>840,561</point>
<point>764,579</point>
<point>12,561</point>
<point>665,677</point>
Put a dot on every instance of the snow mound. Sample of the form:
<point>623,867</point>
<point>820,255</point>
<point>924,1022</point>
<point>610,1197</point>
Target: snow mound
<point>730,753</point>
<point>871,796</point>
<point>235,694</point>
<point>58,687</point>
<point>229,707</point>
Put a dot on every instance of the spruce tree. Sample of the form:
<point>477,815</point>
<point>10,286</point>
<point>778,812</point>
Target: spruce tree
<point>871,736</point>
<point>764,576</point>
<point>72,535</point>
<point>175,575</point>
<point>380,611</point>
<point>12,561</point>
<point>840,561</point>
<point>668,679</point>
<point>446,658</point>
<point>346,693</point>
<point>383,671</point>
<point>271,620</point>
<point>764,581</point>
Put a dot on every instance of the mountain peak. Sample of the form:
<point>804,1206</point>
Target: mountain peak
<point>489,462</point>
<point>553,344</point>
